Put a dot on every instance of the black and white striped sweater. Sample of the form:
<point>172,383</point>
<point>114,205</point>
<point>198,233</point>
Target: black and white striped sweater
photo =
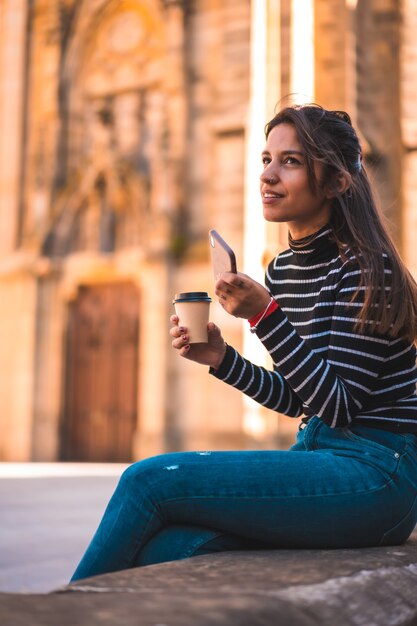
<point>322,365</point>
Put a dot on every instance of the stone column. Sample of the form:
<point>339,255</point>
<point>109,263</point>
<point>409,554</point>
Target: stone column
<point>378,50</point>
<point>177,103</point>
<point>335,54</point>
<point>42,120</point>
<point>18,295</point>
<point>409,131</point>
<point>172,176</point>
<point>13,37</point>
<point>330,52</point>
<point>351,61</point>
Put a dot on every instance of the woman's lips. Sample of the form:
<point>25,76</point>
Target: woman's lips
<point>269,197</point>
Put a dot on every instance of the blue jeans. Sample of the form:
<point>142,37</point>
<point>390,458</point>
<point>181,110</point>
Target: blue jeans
<point>335,488</point>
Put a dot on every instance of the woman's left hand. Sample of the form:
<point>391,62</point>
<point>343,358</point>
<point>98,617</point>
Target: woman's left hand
<point>240,295</point>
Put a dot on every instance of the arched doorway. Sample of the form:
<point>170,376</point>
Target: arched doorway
<point>100,405</point>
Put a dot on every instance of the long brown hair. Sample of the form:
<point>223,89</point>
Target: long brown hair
<point>357,222</point>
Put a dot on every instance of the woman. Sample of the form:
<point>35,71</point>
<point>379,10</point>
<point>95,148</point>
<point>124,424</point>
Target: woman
<point>338,317</point>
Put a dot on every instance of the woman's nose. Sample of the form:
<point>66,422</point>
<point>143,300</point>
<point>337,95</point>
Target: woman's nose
<point>269,176</point>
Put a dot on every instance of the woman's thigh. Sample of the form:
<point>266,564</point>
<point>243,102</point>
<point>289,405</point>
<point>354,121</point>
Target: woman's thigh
<point>331,491</point>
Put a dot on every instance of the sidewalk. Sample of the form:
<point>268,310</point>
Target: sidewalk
<point>48,512</point>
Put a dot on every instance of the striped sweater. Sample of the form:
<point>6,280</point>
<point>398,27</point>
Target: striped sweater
<point>322,365</point>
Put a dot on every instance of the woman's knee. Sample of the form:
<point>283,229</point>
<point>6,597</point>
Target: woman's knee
<point>142,471</point>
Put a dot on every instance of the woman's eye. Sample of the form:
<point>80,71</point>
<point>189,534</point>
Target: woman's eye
<point>291,160</point>
<point>265,160</point>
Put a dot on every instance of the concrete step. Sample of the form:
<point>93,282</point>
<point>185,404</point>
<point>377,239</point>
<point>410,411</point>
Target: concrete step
<point>367,587</point>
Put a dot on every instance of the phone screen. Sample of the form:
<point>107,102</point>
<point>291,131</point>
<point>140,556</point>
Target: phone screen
<point>222,256</point>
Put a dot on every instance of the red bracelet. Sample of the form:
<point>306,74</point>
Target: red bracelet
<point>270,308</point>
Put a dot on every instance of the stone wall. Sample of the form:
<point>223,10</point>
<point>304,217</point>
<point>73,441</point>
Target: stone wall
<point>124,114</point>
<point>125,134</point>
<point>408,122</point>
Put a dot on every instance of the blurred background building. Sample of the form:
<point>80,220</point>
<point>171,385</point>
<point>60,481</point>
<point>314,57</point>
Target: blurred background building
<point>128,128</point>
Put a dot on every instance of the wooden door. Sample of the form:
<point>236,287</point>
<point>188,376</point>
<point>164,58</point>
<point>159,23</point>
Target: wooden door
<point>100,411</point>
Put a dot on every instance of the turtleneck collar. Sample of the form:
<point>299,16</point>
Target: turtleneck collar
<point>318,244</point>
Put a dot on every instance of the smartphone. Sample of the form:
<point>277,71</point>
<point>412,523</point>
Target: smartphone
<point>222,256</point>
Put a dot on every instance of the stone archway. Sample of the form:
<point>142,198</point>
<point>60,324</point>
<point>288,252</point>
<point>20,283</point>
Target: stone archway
<point>113,120</point>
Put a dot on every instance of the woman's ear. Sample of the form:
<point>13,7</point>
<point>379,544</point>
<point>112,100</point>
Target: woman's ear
<point>340,184</point>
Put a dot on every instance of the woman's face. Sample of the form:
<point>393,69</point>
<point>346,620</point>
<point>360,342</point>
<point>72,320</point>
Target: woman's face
<point>285,190</point>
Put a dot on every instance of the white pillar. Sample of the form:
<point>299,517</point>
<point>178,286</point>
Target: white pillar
<point>265,79</point>
<point>302,50</point>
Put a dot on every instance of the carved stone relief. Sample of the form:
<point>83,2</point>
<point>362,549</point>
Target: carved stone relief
<point>113,76</point>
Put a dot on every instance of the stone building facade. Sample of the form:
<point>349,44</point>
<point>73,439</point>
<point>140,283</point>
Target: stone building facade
<point>128,128</point>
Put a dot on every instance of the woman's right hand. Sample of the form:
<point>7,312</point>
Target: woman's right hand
<point>211,353</point>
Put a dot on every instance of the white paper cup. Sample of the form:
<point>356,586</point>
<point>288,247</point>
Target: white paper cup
<point>192,309</point>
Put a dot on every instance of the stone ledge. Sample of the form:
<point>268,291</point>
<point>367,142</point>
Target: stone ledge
<point>367,587</point>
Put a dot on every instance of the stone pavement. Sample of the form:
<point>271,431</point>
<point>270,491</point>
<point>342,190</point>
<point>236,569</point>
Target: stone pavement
<point>367,587</point>
<point>48,513</point>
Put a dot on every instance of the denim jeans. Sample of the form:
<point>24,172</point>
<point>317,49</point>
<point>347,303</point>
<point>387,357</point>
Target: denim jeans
<point>335,488</point>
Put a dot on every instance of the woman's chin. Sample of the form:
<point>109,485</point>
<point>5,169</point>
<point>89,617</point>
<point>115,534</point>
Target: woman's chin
<point>271,215</point>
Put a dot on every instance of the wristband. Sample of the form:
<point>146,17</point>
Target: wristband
<point>270,308</point>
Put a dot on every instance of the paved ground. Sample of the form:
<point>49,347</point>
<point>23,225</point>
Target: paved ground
<point>48,513</point>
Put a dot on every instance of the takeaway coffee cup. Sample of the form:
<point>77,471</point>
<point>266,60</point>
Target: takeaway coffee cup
<point>192,308</point>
